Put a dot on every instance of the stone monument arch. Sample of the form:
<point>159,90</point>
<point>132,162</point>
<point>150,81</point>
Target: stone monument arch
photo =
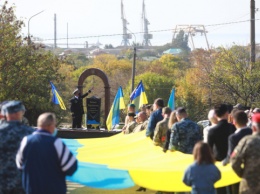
<point>103,76</point>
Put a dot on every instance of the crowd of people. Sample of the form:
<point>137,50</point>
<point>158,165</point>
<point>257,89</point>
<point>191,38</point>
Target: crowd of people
<point>33,161</point>
<point>232,136</point>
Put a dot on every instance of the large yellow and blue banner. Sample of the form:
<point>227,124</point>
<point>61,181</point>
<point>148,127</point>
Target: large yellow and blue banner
<point>114,113</point>
<point>138,96</point>
<point>122,161</point>
<point>56,99</point>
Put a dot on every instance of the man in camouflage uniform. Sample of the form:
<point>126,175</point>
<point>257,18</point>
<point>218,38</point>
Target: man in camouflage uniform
<point>245,159</point>
<point>184,134</point>
<point>131,123</point>
<point>142,122</point>
<point>12,132</point>
<point>162,128</point>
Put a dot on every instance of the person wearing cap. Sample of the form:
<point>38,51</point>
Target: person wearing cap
<point>44,159</point>
<point>161,128</point>
<point>184,134</point>
<point>131,124</point>
<point>76,108</point>
<point>142,122</point>
<point>12,132</point>
<point>245,159</point>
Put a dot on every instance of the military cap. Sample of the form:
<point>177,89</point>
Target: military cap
<point>256,110</point>
<point>12,107</point>
<point>131,105</point>
<point>2,104</point>
<point>256,118</point>
<point>238,106</point>
<point>75,91</point>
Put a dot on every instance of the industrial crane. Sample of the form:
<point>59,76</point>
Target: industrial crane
<point>146,36</point>
<point>126,36</point>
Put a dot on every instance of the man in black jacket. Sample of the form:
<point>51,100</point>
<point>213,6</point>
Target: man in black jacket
<point>218,136</point>
<point>76,107</point>
<point>240,121</point>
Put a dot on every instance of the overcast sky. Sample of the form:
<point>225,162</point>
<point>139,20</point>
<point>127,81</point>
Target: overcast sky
<point>103,17</point>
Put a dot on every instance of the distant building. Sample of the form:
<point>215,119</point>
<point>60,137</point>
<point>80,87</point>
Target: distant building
<point>172,51</point>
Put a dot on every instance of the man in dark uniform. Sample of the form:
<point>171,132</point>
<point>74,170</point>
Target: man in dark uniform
<point>76,107</point>
<point>12,132</point>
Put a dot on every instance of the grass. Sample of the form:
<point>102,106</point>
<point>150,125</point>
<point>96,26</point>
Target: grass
<point>132,190</point>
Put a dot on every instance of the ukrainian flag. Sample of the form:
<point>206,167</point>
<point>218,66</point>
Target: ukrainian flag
<point>171,101</point>
<point>56,99</point>
<point>138,96</point>
<point>114,114</point>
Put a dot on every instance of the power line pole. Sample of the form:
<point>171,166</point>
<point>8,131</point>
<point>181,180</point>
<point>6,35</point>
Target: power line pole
<point>252,29</point>
<point>133,69</point>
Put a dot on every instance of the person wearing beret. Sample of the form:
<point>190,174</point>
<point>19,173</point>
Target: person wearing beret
<point>12,132</point>
<point>76,108</point>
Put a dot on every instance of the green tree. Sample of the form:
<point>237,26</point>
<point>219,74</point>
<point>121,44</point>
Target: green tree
<point>236,76</point>
<point>77,59</point>
<point>108,46</point>
<point>181,41</point>
<point>156,86</point>
<point>25,69</point>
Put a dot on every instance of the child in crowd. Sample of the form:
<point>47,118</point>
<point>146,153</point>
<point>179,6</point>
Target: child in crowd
<point>202,174</point>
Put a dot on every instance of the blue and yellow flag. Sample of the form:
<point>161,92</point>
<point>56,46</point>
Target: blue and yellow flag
<point>56,99</point>
<point>138,96</point>
<point>114,113</point>
<point>171,101</point>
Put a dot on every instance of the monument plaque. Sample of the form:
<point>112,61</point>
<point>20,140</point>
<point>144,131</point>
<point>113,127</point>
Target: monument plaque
<point>93,111</point>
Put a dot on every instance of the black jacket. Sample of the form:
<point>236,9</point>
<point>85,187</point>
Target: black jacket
<point>234,139</point>
<point>76,104</point>
<point>218,138</point>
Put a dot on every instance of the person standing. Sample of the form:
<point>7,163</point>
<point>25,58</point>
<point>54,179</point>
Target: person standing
<point>142,122</point>
<point>12,132</point>
<point>155,117</point>
<point>218,137</point>
<point>245,159</point>
<point>240,121</point>
<point>76,108</point>
<point>44,159</point>
<point>213,121</point>
<point>131,124</point>
<point>203,173</point>
<point>172,120</point>
<point>184,134</point>
<point>161,128</point>
<point>130,109</point>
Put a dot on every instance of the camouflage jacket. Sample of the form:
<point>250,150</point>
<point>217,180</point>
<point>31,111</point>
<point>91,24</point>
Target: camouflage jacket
<point>130,127</point>
<point>160,132</point>
<point>11,134</point>
<point>245,161</point>
<point>140,127</point>
<point>184,135</point>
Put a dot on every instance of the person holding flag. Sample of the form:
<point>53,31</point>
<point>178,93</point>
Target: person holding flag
<point>76,108</point>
